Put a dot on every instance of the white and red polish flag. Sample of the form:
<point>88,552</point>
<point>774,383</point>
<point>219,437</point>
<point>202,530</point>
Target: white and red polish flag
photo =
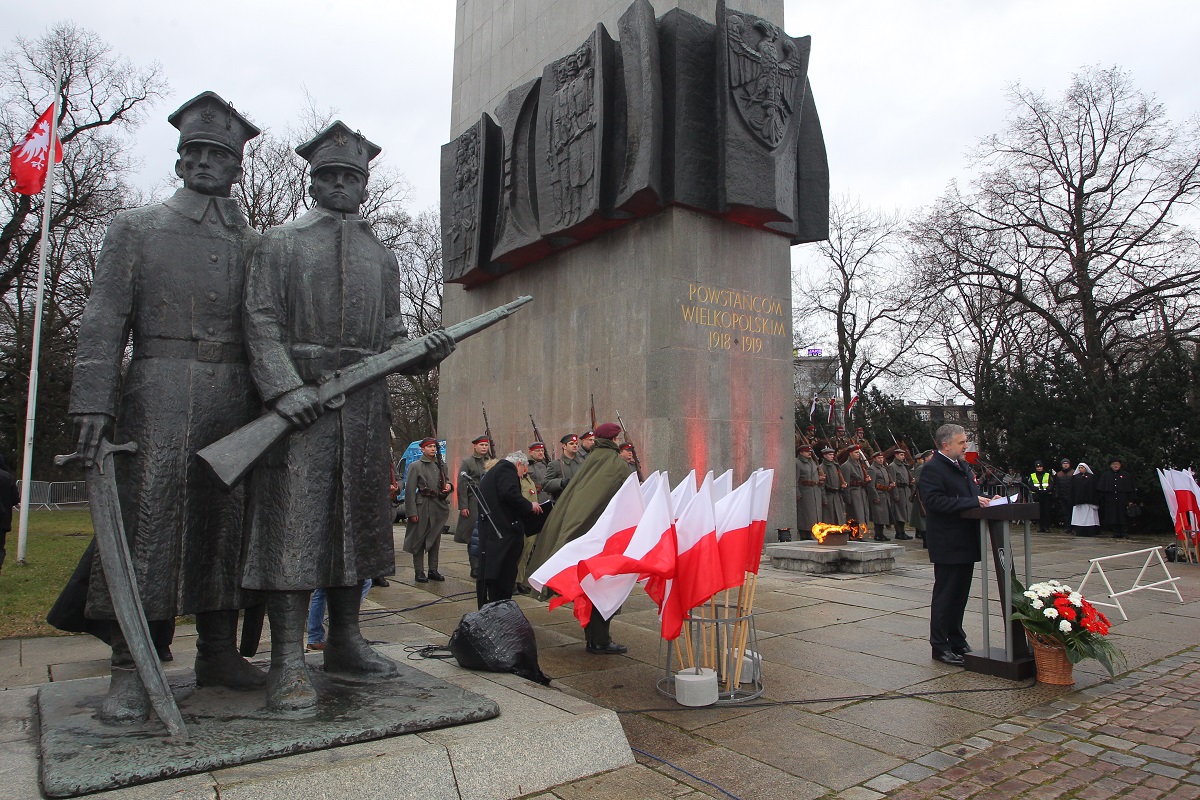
<point>764,479</point>
<point>682,494</point>
<point>722,486</point>
<point>609,577</point>
<point>697,574</point>
<point>832,403</point>
<point>611,533</point>
<point>31,157</point>
<point>813,408</point>
<point>735,514</point>
<point>850,407</point>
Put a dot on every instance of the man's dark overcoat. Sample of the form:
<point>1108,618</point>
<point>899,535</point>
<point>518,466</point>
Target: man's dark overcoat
<point>947,489</point>
<point>322,293</point>
<point>473,466</point>
<point>501,540</point>
<point>170,277</point>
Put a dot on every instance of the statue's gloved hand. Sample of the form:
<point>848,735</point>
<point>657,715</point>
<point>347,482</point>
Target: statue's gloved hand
<point>300,406</point>
<point>91,429</point>
<point>439,345</point>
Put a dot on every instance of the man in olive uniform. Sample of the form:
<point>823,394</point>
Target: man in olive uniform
<point>537,469</point>
<point>587,441</point>
<point>902,477</point>
<point>426,506</point>
<point>808,491</point>
<point>857,496</point>
<point>833,510</point>
<point>468,506</point>
<point>918,507</point>
<point>323,293</point>
<point>562,469</point>
<point>881,501</point>
<point>169,278</point>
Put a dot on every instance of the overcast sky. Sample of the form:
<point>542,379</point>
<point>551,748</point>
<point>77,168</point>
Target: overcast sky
<point>904,88</point>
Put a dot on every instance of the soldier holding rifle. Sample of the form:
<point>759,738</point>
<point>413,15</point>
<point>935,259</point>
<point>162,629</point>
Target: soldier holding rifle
<point>322,294</point>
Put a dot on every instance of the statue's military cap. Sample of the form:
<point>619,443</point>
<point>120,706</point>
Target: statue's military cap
<point>209,119</point>
<point>338,146</point>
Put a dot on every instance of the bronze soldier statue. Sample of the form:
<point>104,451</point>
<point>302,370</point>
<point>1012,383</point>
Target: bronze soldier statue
<point>322,292</point>
<point>169,278</point>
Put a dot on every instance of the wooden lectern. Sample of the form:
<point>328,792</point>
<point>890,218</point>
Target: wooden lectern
<point>1014,662</point>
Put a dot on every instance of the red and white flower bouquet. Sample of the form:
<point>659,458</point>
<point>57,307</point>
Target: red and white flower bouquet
<point>1053,612</point>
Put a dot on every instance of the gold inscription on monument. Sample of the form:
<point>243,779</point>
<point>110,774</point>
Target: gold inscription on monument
<point>739,320</point>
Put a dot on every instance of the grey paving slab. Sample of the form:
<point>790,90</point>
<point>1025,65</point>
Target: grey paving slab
<point>880,673</point>
<point>816,616</point>
<point>916,720</point>
<point>818,692</point>
<point>58,649</point>
<point>827,760</point>
<point>74,670</point>
<point>752,779</point>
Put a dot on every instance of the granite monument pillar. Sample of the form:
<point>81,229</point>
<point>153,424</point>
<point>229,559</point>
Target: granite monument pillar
<point>641,170</point>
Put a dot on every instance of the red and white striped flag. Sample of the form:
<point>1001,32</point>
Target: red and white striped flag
<point>611,535</point>
<point>735,513</point>
<point>832,403</point>
<point>851,405</point>
<point>608,578</point>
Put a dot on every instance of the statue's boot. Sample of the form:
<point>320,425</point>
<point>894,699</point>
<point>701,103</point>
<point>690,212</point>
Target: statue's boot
<point>218,662</point>
<point>126,700</point>
<point>289,688</point>
<point>346,651</point>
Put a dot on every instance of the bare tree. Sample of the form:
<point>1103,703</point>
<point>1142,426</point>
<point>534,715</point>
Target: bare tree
<point>860,290</point>
<point>1076,223</point>
<point>104,100</point>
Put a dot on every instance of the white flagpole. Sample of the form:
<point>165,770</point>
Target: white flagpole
<point>35,351</point>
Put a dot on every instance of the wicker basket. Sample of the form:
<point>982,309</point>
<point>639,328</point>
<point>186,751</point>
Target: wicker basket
<point>1050,656</point>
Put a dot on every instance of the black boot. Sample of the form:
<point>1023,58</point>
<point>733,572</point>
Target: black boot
<point>126,700</point>
<point>218,662</point>
<point>346,651</point>
<point>879,537</point>
<point>289,688</point>
<point>900,534</point>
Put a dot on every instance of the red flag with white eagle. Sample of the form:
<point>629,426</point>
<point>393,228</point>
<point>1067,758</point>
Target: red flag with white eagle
<point>31,157</point>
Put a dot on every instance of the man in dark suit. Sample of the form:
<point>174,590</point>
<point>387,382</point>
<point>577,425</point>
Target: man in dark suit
<point>948,487</point>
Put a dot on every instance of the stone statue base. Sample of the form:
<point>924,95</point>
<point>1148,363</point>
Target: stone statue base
<point>81,755</point>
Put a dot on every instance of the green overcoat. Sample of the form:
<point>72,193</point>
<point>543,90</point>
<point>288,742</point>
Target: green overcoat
<point>582,502</point>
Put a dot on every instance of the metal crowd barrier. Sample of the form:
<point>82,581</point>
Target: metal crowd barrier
<point>54,495</point>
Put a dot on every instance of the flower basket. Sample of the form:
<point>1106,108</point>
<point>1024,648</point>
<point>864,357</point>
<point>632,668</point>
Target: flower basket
<point>1063,629</point>
<point>1050,657</point>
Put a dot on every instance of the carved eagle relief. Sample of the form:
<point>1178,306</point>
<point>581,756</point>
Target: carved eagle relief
<point>766,76</point>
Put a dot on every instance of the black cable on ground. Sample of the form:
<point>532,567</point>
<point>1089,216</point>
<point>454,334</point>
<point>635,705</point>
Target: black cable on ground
<point>847,699</point>
<point>691,775</point>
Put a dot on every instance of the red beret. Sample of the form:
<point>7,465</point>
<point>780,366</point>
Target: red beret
<point>608,430</point>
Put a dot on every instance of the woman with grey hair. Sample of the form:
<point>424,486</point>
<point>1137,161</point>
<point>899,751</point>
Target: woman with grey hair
<point>506,517</point>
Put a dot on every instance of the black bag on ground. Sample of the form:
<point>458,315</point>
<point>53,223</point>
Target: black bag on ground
<point>497,638</point>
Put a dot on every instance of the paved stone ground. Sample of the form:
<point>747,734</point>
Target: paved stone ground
<point>853,707</point>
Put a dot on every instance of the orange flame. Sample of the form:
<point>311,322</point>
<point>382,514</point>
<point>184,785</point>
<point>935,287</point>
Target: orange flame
<point>855,530</point>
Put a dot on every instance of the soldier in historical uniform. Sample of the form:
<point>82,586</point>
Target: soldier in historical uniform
<point>902,493</point>
<point>537,469</point>
<point>833,510</point>
<point>426,506</point>
<point>169,279</point>
<point>918,507</point>
<point>859,487</point>
<point>808,490</point>
<point>587,440</point>
<point>881,502</point>
<point>468,506</point>
<point>322,293</point>
<point>562,469</point>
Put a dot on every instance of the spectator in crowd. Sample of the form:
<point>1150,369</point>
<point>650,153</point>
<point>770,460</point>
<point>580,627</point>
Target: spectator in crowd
<point>1085,514</point>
